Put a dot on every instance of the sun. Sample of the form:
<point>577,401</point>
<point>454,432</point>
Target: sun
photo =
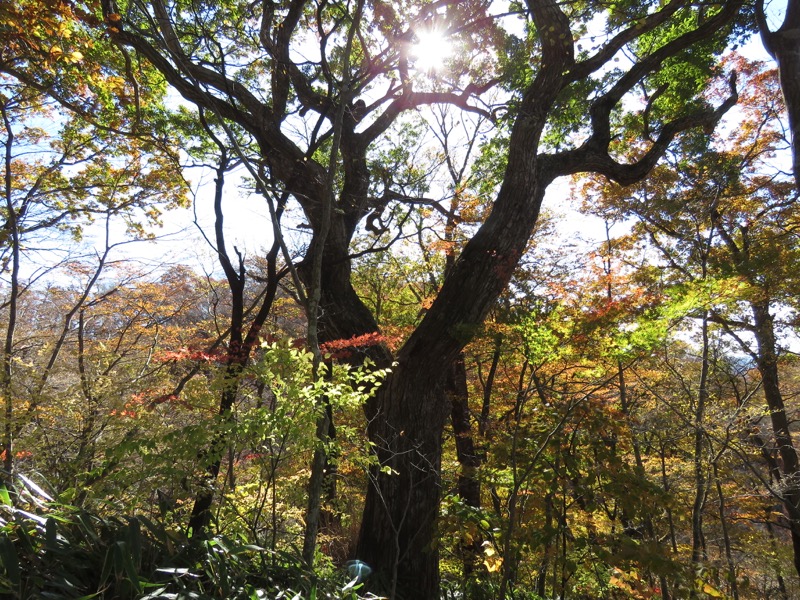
<point>431,49</point>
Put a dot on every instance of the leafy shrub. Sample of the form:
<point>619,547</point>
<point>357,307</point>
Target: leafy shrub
<point>54,551</point>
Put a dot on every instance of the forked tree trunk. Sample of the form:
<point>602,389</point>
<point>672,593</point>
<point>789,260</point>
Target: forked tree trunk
<point>240,345</point>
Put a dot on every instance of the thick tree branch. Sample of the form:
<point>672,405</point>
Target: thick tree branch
<point>553,30</point>
<point>412,100</point>
<point>767,38</point>
<point>607,52</point>
<point>593,154</point>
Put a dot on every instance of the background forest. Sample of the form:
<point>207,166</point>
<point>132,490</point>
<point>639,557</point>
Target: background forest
<point>415,300</point>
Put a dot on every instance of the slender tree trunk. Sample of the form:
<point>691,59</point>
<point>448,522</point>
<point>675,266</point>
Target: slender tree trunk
<point>778,576</point>
<point>84,457</point>
<point>700,491</point>
<point>665,485</point>
<point>200,517</point>
<point>640,470</point>
<point>469,487</point>
<point>329,518</point>
<point>8,343</point>
<point>699,556</point>
<point>541,577</point>
<point>626,410</point>
<point>488,386</point>
<point>315,488</point>
<point>509,546</point>
<point>723,519</point>
<point>562,588</point>
<point>320,460</point>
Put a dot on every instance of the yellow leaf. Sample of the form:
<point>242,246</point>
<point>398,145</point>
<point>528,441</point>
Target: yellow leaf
<point>470,532</point>
<point>620,584</point>
<point>76,56</point>
<point>493,564</point>
<point>714,593</point>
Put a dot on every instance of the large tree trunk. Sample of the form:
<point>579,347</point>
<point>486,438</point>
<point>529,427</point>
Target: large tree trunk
<point>784,46</point>
<point>789,464</point>
<point>398,533</point>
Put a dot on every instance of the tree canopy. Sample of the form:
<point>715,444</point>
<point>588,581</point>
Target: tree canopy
<point>414,337</point>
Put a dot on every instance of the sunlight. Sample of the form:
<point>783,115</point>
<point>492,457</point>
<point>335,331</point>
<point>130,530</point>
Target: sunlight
<point>431,49</point>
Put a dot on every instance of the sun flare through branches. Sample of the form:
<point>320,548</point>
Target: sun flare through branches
<point>431,49</point>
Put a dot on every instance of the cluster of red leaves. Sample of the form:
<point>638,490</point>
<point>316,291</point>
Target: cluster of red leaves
<point>344,348</point>
<point>634,302</point>
<point>146,402</point>
<point>18,455</point>
<point>250,456</point>
<point>171,398</point>
<point>184,354</point>
<point>131,408</point>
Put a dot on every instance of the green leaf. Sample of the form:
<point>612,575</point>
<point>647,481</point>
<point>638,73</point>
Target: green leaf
<point>10,561</point>
<point>5,497</point>
<point>51,535</point>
